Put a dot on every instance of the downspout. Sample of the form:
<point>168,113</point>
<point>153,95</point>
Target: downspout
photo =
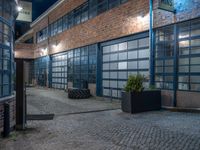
<point>151,41</point>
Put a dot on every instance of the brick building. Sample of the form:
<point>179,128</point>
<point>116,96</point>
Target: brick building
<point>7,19</point>
<point>103,42</point>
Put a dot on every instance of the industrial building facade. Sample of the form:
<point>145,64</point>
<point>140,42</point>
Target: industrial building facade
<point>102,42</point>
<point>7,19</point>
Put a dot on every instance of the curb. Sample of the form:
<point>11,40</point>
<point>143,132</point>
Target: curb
<point>180,109</point>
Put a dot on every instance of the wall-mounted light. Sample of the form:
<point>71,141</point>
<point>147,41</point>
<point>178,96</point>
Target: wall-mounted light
<point>19,8</point>
<point>140,17</point>
<point>44,51</point>
<point>55,44</point>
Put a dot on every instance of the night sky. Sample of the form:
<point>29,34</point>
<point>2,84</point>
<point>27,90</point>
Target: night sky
<point>39,6</point>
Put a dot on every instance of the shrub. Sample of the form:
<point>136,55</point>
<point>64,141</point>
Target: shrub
<point>134,83</point>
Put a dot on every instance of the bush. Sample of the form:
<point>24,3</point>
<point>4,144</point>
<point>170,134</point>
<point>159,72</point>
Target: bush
<point>134,83</point>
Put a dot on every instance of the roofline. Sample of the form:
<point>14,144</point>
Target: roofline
<point>21,37</point>
<point>44,14</point>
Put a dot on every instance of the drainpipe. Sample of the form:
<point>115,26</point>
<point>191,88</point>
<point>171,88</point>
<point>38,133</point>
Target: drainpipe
<point>151,40</point>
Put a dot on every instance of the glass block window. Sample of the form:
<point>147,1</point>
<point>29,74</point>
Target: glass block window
<point>164,57</point>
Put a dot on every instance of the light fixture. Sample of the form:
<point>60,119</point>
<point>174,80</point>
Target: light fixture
<point>19,8</point>
<point>55,44</point>
<point>141,16</point>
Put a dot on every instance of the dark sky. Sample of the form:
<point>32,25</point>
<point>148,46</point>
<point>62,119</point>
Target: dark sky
<point>39,6</point>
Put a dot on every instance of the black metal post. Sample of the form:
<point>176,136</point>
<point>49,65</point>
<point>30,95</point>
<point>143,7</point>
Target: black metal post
<point>20,96</point>
<point>6,125</point>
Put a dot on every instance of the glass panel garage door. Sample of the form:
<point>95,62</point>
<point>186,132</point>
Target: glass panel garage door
<point>121,60</point>
<point>59,71</point>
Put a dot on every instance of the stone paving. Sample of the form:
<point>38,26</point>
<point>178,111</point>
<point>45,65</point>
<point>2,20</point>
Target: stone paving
<point>110,130</point>
<point>44,101</point>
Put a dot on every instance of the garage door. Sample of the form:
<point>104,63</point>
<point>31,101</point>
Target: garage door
<point>121,59</point>
<point>59,71</point>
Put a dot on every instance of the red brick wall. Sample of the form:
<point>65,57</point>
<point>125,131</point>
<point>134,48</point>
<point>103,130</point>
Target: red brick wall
<point>118,22</point>
<point>23,50</point>
<point>12,103</point>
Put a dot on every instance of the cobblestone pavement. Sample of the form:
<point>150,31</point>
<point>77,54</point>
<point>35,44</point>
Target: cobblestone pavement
<point>110,130</point>
<point>44,101</point>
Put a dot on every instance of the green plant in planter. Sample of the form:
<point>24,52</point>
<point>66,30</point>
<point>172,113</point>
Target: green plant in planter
<point>134,83</point>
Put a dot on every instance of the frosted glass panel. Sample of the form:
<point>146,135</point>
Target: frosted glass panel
<point>122,75</point>
<point>132,65</point>
<point>144,42</point>
<point>106,58</point>
<point>123,56</point>
<point>113,84</point>
<point>114,48</point>
<point>123,46</point>
<point>113,57</point>
<point>121,84</point>
<point>105,83</point>
<point>132,55</point>
<point>144,53</point>
<point>113,75</point>
<point>113,66</point>
<point>105,74</point>
<point>132,44</point>
<point>106,49</point>
<point>106,92</point>
<point>122,65</point>
<point>106,66</point>
<point>143,64</point>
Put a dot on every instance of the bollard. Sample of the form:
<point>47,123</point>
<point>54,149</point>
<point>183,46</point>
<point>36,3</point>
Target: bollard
<point>6,126</point>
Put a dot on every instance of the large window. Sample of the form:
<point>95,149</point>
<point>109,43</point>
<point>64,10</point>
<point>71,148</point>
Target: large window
<point>77,66</point>
<point>189,55</point>
<point>6,48</point>
<point>164,57</point>
<point>82,65</point>
<point>41,70</point>
<point>178,46</point>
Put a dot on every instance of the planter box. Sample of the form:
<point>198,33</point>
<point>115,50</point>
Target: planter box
<point>133,102</point>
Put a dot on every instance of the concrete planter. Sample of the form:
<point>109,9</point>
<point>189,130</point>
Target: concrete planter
<point>133,102</point>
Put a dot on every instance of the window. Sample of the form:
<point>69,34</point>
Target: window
<point>89,9</point>
<point>189,55</point>
<point>164,57</point>
<point>84,15</point>
<point>60,25</point>
<point>77,16</point>
<point>41,72</point>
<point>42,35</point>
<point>65,22</point>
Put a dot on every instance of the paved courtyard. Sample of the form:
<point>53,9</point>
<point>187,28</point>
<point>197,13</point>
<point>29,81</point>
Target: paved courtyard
<point>107,130</point>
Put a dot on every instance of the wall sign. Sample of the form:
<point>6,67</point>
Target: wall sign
<point>167,5</point>
<point>26,13</point>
